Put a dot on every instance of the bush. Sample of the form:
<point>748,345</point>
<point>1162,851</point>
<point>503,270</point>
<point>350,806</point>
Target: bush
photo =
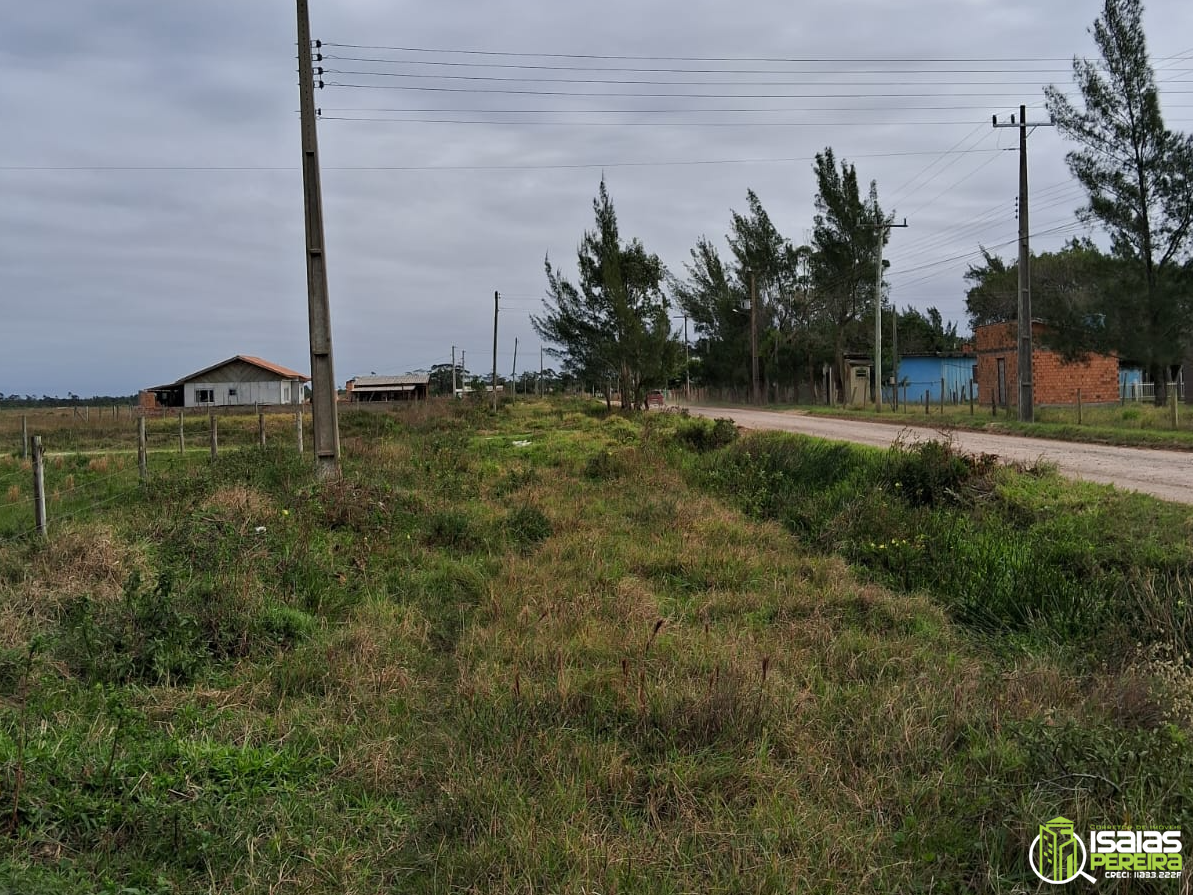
<point>606,465</point>
<point>701,434</point>
<point>528,526</point>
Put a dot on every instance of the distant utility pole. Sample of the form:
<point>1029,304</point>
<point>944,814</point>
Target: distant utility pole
<point>687,363</point>
<point>541,389</point>
<point>496,307</point>
<point>880,229</point>
<point>514,370</point>
<point>453,371</point>
<point>895,353</point>
<point>755,395</point>
<point>1026,398</point>
<point>323,387</point>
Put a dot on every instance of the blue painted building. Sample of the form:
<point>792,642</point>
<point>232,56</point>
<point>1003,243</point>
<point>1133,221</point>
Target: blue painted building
<point>919,373</point>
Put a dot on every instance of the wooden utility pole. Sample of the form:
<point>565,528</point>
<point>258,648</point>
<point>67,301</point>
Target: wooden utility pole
<point>496,303</point>
<point>39,487</point>
<point>687,363</point>
<point>542,390</point>
<point>755,396</point>
<point>880,230</point>
<point>323,386</point>
<point>514,370</point>
<point>142,451</point>
<point>895,354</point>
<point>453,371</point>
<point>1026,398</point>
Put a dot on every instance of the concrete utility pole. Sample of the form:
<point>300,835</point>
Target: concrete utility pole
<point>453,371</point>
<point>755,395</point>
<point>880,230</point>
<point>1026,398</point>
<point>496,308</point>
<point>324,413</point>
<point>687,363</point>
<point>514,369</point>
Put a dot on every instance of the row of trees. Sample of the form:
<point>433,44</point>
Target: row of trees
<point>814,303</point>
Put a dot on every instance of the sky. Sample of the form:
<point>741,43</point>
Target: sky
<point>151,220</point>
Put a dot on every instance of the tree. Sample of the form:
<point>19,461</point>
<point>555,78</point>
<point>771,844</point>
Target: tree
<point>844,251</point>
<point>614,322</point>
<point>926,333</point>
<point>1138,176</point>
<point>1068,293</point>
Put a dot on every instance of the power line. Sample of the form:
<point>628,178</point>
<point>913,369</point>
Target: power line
<point>512,167</point>
<point>626,57</point>
<point>733,124</point>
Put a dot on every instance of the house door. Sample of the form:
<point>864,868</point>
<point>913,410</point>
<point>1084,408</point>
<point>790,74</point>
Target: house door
<point>1002,381</point>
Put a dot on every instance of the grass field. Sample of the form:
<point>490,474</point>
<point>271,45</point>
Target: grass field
<point>557,651</point>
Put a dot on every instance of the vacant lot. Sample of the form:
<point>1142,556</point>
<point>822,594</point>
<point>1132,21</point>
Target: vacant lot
<point>557,651</point>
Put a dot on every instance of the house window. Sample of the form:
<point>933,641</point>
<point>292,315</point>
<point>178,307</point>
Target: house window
<point>231,393</point>
<point>204,396</point>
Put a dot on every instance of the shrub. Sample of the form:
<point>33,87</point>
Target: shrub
<point>606,465</point>
<point>528,526</point>
<point>703,434</point>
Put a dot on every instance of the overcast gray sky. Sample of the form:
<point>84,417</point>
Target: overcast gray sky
<point>151,221</point>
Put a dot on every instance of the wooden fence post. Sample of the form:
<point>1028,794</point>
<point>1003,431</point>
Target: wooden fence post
<point>971,390</point>
<point>942,396</point>
<point>298,427</point>
<point>1172,398</point>
<point>993,406</point>
<point>261,429</point>
<point>39,487</point>
<point>181,431</point>
<point>1079,407</point>
<point>24,437</point>
<point>214,437</point>
<point>927,396</point>
<point>142,453</point>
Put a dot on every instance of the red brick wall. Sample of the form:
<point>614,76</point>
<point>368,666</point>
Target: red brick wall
<point>1055,381</point>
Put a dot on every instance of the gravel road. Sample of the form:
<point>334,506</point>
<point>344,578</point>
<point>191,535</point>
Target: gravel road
<point>1164,474</point>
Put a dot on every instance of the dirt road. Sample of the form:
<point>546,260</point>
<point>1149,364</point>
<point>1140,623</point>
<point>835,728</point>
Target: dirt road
<point>1164,474</point>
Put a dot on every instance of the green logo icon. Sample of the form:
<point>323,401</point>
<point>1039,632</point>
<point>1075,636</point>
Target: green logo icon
<point>1058,854</point>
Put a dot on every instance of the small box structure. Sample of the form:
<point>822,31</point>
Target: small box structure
<point>410,387</point>
<point>1056,380</point>
<point>239,380</point>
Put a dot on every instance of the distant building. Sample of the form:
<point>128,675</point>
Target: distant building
<point>1055,380</point>
<point>920,373</point>
<point>411,387</point>
<point>242,379</point>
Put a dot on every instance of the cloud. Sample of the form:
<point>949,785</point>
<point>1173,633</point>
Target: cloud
<point>147,267</point>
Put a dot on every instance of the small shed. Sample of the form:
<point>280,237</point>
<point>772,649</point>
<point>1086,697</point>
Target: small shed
<point>920,373</point>
<point>410,387</point>
<point>243,379</point>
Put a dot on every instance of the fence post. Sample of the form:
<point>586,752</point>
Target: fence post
<point>261,429</point>
<point>1079,407</point>
<point>214,437</point>
<point>1172,398</point>
<point>181,431</point>
<point>39,487</point>
<point>298,427</point>
<point>24,437</point>
<point>927,397</point>
<point>993,405</point>
<point>971,390</point>
<point>942,396</point>
<point>142,453</point>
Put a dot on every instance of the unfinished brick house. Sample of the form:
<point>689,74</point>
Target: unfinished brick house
<point>1055,381</point>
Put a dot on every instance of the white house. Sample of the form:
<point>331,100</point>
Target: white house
<point>238,380</point>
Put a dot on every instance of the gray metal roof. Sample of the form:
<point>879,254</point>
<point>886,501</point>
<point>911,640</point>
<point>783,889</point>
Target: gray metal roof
<point>386,381</point>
